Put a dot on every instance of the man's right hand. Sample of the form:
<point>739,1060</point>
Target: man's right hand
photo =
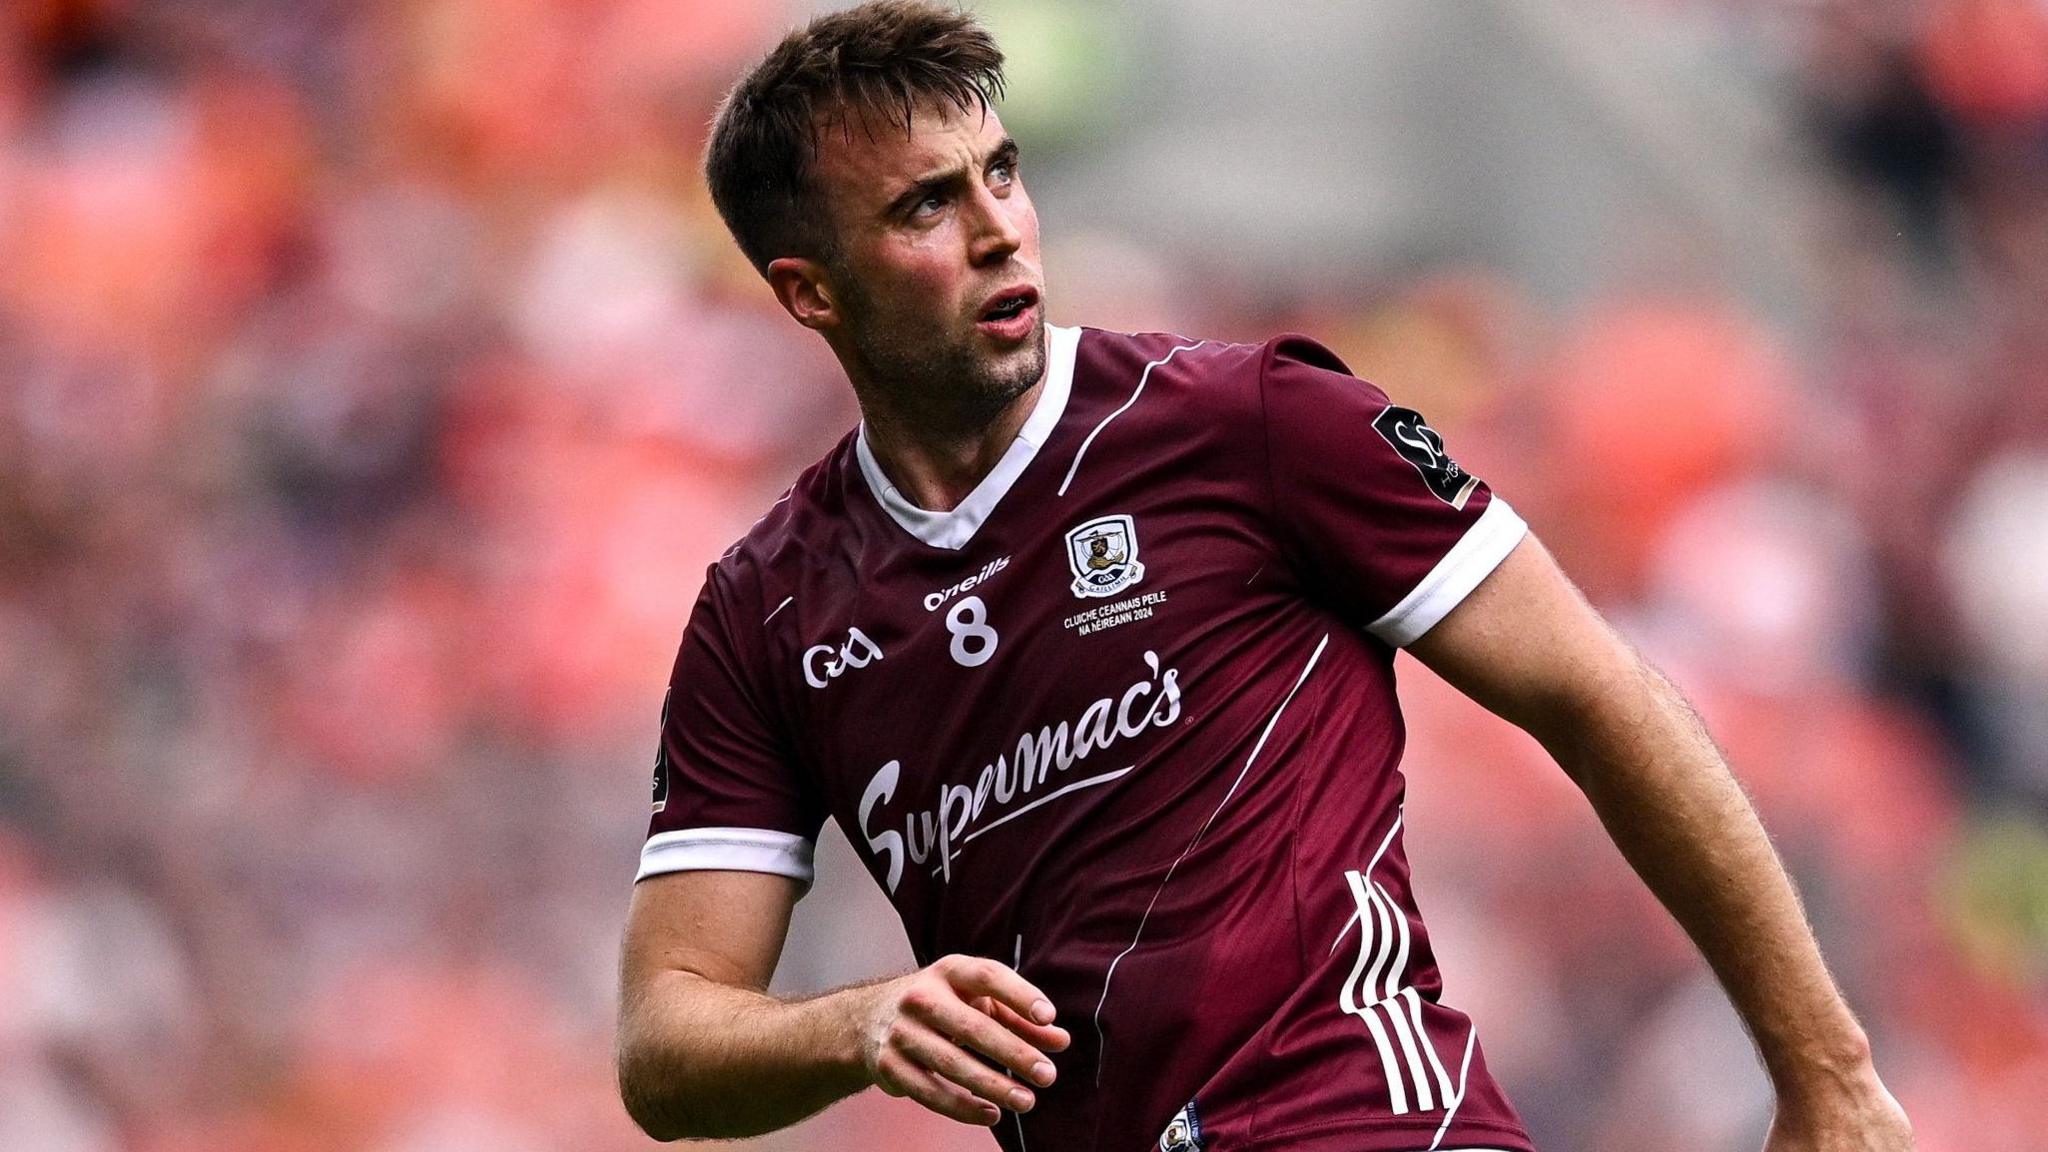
<point>919,1036</point>
<point>706,1053</point>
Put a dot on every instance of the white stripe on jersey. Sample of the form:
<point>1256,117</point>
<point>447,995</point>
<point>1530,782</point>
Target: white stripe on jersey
<point>1101,1043</point>
<point>1464,1066</point>
<point>727,850</point>
<point>1369,869</point>
<point>1377,984</point>
<point>1474,557</point>
<point>1396,1093</point>
<point>1424,1100</point>
<point>1443,1078</point>
<point>1139,391</point>
<point>1371,948</point>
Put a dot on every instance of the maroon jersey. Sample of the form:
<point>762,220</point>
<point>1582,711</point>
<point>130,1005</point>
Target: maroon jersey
<point>1124,719</point>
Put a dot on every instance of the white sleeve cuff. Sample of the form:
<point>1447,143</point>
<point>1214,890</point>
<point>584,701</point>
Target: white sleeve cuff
<point>1476,554</point>
<point>728,850</point>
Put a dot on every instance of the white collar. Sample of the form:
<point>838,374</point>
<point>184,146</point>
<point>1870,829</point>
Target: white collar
<point>952,530</point>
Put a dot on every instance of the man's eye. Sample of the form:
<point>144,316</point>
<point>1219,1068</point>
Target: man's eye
<point>929,205</point>
<point>1003,173</point>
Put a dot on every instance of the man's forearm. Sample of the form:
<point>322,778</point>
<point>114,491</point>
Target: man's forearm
<point>706,1060</point>
<point>1662,790</point>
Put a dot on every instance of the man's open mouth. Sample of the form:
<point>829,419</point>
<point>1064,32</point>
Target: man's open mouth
<point>1010,304</point>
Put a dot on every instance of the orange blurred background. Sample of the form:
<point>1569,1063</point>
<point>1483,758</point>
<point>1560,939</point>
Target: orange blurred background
<point>376,382</point>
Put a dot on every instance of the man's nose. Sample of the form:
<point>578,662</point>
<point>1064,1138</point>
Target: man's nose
<point>996,236</point>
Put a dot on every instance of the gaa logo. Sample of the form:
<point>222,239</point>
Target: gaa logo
<point>823,663</point>
<point>1103,554</point>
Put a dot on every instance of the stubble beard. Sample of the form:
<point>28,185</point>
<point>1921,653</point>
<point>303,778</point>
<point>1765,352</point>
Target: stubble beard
<point>941,381</point>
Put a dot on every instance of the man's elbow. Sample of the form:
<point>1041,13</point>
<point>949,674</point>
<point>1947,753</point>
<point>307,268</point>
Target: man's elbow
<point>657,1126</point>
<point>669,1104</point>
<point>649,1093</point>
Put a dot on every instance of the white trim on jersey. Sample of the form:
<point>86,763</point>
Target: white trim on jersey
<point>953,529</point>
<point>727,850</point>
<point>1376,987</point>
<point>1125,407</point>
<point>1102,1040</point>
<point>1478,552</point>
<point>1457,1098</point>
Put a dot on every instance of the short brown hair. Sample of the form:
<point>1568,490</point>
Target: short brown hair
<point>882,59</point>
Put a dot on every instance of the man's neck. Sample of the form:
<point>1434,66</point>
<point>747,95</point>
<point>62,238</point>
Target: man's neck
<point>937,470</point>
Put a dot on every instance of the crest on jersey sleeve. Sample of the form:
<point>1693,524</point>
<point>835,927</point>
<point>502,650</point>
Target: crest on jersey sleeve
<point>1103,554</point>
<point>1419,444</point>
<point>1183,1132</point>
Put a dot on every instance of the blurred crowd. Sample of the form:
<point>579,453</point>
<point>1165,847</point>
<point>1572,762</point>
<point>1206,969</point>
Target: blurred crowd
<point>376,382</point>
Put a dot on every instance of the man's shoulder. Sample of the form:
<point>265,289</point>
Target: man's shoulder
<point>808,517</point>
<point>1189,382</point>
<point>1215,366</point>
<point>1166,354</point>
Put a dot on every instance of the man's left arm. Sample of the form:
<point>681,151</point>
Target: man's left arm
<point>1526,645</point>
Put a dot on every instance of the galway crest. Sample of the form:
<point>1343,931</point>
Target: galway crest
<point>1103,554</point>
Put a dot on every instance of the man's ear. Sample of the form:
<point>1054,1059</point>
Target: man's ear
<point>799,285</point>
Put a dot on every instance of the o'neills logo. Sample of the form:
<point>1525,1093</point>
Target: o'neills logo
<point>1004,789</point>
<point>934,601</point>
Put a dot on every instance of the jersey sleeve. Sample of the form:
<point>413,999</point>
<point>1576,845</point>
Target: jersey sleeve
<point>1377,518</point>
<point>728,794</point>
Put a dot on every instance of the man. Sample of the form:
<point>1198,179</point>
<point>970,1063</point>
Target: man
<point>1086,640</point>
